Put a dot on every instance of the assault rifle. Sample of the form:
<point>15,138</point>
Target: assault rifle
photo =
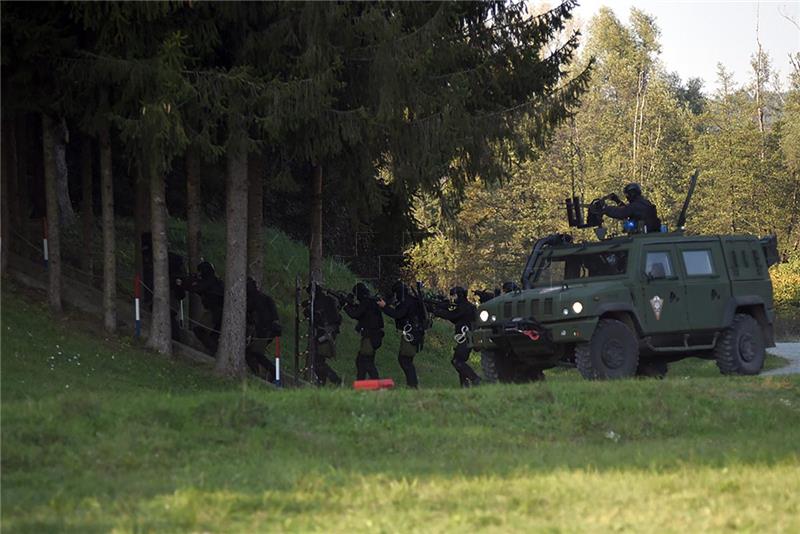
<point>435,300</point>
<point>346,298</point>
<point>341,297</point>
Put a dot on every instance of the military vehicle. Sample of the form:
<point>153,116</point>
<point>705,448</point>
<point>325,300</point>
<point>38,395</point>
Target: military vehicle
<point>630,304</point>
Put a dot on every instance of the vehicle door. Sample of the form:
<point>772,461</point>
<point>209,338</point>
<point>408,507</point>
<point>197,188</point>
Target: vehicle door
<point>707,286</point>
<point>663,309</point>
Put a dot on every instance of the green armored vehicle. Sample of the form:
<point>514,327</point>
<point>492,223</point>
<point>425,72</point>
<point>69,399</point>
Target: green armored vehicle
<point>628,305</point>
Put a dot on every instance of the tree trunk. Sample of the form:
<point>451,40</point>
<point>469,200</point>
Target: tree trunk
<point>8,177</point>
<point>230,355</point>
<point>315,248</point>
<point>193,224</point>
<point>160,323</point>
<point>141,216</point>
<point>53,227</point>
<point>109,240</point>
<point>255,219</point>
<point>87,207</point>
<point>60,139</point>
<point>23,198</point>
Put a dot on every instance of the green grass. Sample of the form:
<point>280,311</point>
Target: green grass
<point>99,435</point>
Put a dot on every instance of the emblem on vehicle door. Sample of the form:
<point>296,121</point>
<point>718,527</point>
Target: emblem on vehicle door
<point>657,303</point>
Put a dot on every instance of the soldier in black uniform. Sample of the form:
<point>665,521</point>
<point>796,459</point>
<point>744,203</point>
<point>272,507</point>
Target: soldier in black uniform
<point>177,272</point>
<point>263,325</point>
<point>208,285</point>
<point>461,313</point>
<point>327,320</point>
<point>509,287</point>
<point>409,317</point>
<point>638,209</point>
<point>370,326</point>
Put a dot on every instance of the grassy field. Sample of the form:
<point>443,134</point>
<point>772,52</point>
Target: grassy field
<point>98,435</point>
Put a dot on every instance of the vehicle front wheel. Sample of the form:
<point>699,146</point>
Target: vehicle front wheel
<point>613,352</point>
<point>740,350</point>
<point>501,367</point>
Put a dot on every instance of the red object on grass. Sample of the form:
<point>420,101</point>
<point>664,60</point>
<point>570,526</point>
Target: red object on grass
<point>381,383</point>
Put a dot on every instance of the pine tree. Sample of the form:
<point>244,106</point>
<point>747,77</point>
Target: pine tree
<point>32,37</point>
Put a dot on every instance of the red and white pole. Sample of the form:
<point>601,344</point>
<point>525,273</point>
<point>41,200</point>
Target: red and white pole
<point>45,251</point>
<point>278,361</point>
<point>137,295</point>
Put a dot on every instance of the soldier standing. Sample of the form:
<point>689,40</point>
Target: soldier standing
<point>327,320</point>
<point>461,313</point>
<point>370,326</point>
<point>208,285</point>
<point>409,317</point>
<point>638,209</point>
<point>263,325</point>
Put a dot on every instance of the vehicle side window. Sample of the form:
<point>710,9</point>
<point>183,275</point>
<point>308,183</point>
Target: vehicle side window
<point>698,262</point>
<point>658,265</point>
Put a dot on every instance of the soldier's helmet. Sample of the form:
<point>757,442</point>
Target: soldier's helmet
<point>459,292</point>
<point>632,191</point>
<point>360,291</point>
<point>399,290</point>
<point>206,270</point>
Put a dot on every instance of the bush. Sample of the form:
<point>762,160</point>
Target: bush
<point>786,290</point>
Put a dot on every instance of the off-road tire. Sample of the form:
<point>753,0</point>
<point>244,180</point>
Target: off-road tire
<point>740,349</point>
<point>488,367</point>
<point>613,352</point>
<point>652,369</point>
<point>496,367</point>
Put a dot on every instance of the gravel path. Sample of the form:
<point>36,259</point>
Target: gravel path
<point>790,351</point>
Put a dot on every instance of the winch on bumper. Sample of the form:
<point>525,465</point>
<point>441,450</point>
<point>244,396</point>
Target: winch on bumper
<point>528,336</point>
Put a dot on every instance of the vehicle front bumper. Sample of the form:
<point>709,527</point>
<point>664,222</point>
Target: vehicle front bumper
<point>531,337</point>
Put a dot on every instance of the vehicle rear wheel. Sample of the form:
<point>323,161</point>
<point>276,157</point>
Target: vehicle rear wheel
<point>612,353</point>
<point>740,349</point>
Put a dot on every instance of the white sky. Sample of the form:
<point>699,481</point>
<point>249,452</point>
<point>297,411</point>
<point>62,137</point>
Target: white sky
<point>696,35</point>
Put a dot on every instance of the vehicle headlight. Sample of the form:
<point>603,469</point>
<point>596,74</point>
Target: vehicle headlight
<point>577,307</point>
<point>484,315</point>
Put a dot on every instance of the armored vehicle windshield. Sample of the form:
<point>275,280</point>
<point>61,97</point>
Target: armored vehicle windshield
<point>560,266</point>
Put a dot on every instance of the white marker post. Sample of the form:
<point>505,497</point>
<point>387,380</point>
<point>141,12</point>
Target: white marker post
<point>45,251</point>
<point>278,361</point>
<point>137,293</point>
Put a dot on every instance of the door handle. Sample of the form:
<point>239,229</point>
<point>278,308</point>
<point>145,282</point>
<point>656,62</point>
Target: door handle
<point>673,297</point>
<point>714,294</point>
